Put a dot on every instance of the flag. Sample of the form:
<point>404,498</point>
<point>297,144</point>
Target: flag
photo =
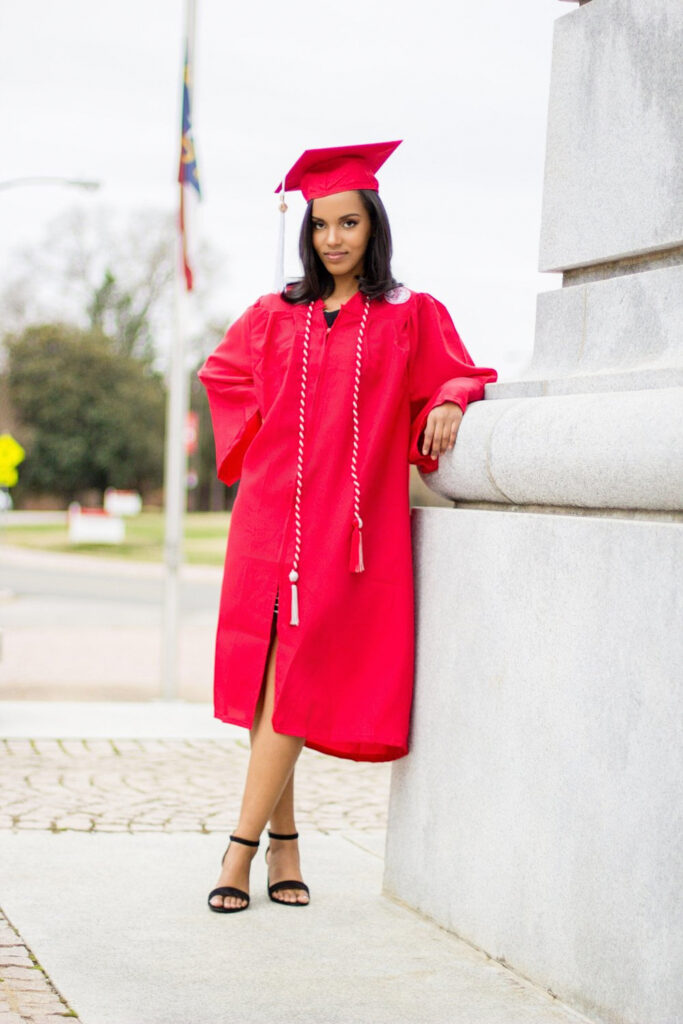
<point>188,174</point>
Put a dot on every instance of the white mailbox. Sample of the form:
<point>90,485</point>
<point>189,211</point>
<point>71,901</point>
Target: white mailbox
<point>122,503</point>
<point>94,526</point>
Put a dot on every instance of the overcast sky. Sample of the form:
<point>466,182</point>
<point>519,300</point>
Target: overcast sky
<point>93,91</point>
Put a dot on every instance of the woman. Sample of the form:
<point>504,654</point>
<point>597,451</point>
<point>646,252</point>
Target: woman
<point>320,398</point>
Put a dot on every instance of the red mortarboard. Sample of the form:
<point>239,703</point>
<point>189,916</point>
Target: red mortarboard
<point>322,172</point>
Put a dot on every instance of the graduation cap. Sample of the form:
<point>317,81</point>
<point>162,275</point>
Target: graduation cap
<point>323,172</point>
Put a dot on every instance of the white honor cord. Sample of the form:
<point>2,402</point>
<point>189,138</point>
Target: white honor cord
<point>357,548</point>
<point>294,574</point>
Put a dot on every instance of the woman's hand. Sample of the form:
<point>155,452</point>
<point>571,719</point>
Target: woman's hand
<point>441,429</point>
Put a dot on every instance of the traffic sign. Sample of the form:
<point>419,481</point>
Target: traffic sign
<point>11,454</point>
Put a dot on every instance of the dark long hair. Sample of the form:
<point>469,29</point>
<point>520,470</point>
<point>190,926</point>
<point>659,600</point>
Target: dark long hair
<point>318,283</point>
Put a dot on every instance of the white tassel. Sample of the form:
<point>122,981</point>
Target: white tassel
<point>280,254</point>
<point>294,619</point>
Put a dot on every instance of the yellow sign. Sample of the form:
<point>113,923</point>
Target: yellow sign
<point>11,454</point>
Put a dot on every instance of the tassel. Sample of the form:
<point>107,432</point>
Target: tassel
<point>294,619</point>
<point>356,560</point>
<point>280,252</point>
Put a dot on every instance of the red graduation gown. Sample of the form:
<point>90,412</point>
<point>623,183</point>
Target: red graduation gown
<point>344,675</point>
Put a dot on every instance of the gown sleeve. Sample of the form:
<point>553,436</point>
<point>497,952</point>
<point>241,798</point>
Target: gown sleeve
<point>228,379</point>
<point>440,370</point>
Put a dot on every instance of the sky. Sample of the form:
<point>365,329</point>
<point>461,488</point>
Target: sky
<point>91,91</point>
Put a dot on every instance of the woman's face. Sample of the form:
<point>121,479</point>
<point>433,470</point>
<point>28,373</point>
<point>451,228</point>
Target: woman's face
<point>341,231</point>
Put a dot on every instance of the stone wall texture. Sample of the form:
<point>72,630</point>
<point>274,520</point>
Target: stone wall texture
<point>538,813</point>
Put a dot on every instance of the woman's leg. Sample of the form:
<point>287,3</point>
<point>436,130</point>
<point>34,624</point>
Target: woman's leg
<point>271,762</point>
<point>283,859</point>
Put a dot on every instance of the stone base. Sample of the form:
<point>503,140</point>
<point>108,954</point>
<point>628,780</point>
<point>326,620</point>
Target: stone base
<point>538,813</point>
<point>612,450</point>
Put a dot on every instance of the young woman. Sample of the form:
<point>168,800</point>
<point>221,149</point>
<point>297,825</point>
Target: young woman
<point>320,398</point>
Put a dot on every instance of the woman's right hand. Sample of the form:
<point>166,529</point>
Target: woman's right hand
<point>441,429</point>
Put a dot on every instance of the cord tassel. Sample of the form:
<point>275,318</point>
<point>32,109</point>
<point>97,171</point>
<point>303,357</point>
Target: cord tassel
<point>294,618</point>
<point>356,560</point>
<point>280,252</point>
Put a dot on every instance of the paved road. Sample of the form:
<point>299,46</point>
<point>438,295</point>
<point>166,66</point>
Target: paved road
<point>84,628</point>
<point>109,584</point>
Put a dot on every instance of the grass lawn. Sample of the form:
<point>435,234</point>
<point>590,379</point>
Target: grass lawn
<point>205,537</point>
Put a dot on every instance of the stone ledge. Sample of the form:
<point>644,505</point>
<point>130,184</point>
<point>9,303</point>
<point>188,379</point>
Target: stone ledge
<point>596,383</point>
<point>616,450</point>
<point>632,515</point>
<point>619,325</point>
<point>618,334</point>
<point>623,268</point>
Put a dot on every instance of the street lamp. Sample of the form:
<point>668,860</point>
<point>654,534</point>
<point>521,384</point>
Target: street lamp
<point>90,186</point>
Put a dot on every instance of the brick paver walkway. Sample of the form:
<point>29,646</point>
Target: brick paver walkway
<point>151,786</point>
<point>171,786</point>
<point>27,996</point>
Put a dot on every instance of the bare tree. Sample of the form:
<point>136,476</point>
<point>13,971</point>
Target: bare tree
<point>108,271</point>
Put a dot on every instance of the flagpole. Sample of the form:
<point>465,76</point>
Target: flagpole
<point>175,476</point>
<point>175,496</point>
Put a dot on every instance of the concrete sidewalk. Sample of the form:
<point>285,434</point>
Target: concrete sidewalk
<point>115,913</point>
<point>120,925</point>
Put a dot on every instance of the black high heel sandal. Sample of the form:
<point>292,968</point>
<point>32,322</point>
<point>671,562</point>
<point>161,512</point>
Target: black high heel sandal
<point>287,884</point>
<point>230,890</point>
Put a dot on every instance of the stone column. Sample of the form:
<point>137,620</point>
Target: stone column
<point>538,813</point>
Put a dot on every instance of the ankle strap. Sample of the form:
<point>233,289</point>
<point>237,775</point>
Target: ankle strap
<point>278,835</point>
<point>247,842</point>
